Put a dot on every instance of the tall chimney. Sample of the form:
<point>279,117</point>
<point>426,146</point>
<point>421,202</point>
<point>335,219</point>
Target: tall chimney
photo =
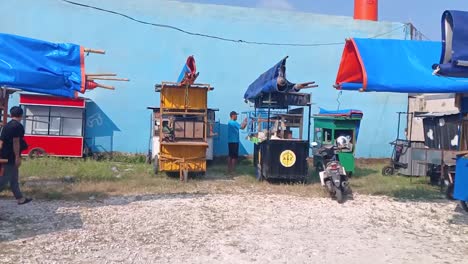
<point>366,9</point>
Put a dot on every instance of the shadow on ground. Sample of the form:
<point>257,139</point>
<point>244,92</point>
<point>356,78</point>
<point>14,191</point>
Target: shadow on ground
<point>44,217</point>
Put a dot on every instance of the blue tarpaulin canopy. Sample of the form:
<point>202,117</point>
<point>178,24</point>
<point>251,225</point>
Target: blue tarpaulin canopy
<point>41,67</point>
<point>454,57</point>
<point>400,66</point>
<point>268,82</point>
<point>343,112</point>
<point>347,113</point>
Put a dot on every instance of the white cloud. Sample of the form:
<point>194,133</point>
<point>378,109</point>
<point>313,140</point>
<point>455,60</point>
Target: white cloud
<point>275,4</point>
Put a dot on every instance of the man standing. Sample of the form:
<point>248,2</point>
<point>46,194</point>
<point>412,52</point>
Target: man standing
<point>233,140</point>
<point>12,144</point>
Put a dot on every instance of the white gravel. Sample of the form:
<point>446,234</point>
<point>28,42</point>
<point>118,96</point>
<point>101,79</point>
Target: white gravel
<point>233,229</point>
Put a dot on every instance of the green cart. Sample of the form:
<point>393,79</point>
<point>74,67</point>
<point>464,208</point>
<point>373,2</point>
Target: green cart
<point>329,125</point>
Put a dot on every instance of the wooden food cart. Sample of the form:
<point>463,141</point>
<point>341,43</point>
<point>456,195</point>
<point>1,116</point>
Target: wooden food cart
<point>154,146</point>
<point>279,154</point>
<point>182,126</point>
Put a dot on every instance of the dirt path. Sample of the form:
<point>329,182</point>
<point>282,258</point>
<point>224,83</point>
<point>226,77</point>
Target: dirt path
<point>233,229</point>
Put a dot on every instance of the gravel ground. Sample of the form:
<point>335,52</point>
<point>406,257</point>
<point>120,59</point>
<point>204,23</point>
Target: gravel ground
<point>233,229</point>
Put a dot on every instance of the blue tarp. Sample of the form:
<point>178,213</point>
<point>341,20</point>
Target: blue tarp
<point>344,112</point>
<point>454,57</point>
<point>400,66</point>
<point>188,75</point>
<point>268,82</point>
<point>40,66</point>
<point>461,180</point>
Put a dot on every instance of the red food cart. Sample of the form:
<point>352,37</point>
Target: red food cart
<point>53,125</point>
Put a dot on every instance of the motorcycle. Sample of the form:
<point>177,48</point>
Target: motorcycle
<point>332,174</point>
<point>399,148</point>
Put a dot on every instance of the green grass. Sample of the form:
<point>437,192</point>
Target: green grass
<point>127,175</point>
<point>368,180</point>
<point>80,169</point>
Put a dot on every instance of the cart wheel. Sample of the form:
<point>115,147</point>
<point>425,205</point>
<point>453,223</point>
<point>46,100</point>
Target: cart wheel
<point>156,164</point>
<point>259,173</point>
<point>37,153</point>
<point>95,156</point>
<point>148,159</point>
<point>464,205</point>
<point>388,171</point>
<point>185,174</point>
<point>172,174</point>
<point>197,175</point>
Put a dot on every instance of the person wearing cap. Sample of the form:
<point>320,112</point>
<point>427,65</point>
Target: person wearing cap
<point>12,138</point>
<point>233,140</point>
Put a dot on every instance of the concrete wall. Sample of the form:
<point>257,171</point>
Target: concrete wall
<point>149,55</point>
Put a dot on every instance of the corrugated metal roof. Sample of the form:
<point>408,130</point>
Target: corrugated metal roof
<point>437,114</point>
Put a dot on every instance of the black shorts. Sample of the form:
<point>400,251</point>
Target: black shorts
<point>233,150</point>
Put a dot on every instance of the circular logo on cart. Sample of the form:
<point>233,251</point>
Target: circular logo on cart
<point>287,158</point>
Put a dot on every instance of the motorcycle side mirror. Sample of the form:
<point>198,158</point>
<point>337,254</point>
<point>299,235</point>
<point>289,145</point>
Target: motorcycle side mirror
<point>313,144</point>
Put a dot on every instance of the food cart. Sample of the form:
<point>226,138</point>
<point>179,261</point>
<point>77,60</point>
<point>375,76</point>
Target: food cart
<point>53,125</point>
<point>57,69</point>
<point>182,127</point>
<point>329,125</point>
<point>276,125</point>
<point>155,134</point>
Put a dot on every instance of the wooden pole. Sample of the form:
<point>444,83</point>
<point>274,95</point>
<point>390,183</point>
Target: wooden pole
<point>108,78</point>
<point>101,74</point>
<point>94,51</point>
<point>105,86</point>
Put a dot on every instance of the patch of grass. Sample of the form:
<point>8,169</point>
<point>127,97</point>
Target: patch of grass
<point>126,158</point>
<point>370,181</point>
<point>79,169</point>
<point>54,195</point>
<point>99,179</point>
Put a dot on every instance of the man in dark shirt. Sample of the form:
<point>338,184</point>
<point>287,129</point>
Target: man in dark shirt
<point>12,138</point>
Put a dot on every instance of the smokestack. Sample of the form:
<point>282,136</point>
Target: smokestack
<point>366,9</point>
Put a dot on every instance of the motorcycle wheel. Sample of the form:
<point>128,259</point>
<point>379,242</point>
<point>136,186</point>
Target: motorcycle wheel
<point>329,188</point>
<point>464,205</point>
<point>388,171</point>
<point>339,195</point>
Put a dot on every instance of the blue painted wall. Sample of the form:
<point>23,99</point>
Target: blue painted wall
<point>99,129</point>
<point>149,55</point>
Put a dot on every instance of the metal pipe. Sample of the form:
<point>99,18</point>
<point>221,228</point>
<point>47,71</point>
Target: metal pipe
<point>398,129</point>
<point>366,9</point>
<point>309,124</point>
<point>268,122</point>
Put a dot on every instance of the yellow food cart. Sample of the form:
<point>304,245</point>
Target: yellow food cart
<point>182,126</point>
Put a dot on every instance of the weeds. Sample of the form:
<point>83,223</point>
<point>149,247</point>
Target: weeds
<point>130,175</point>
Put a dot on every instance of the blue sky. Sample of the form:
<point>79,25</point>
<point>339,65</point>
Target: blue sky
<point>424,14</point>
